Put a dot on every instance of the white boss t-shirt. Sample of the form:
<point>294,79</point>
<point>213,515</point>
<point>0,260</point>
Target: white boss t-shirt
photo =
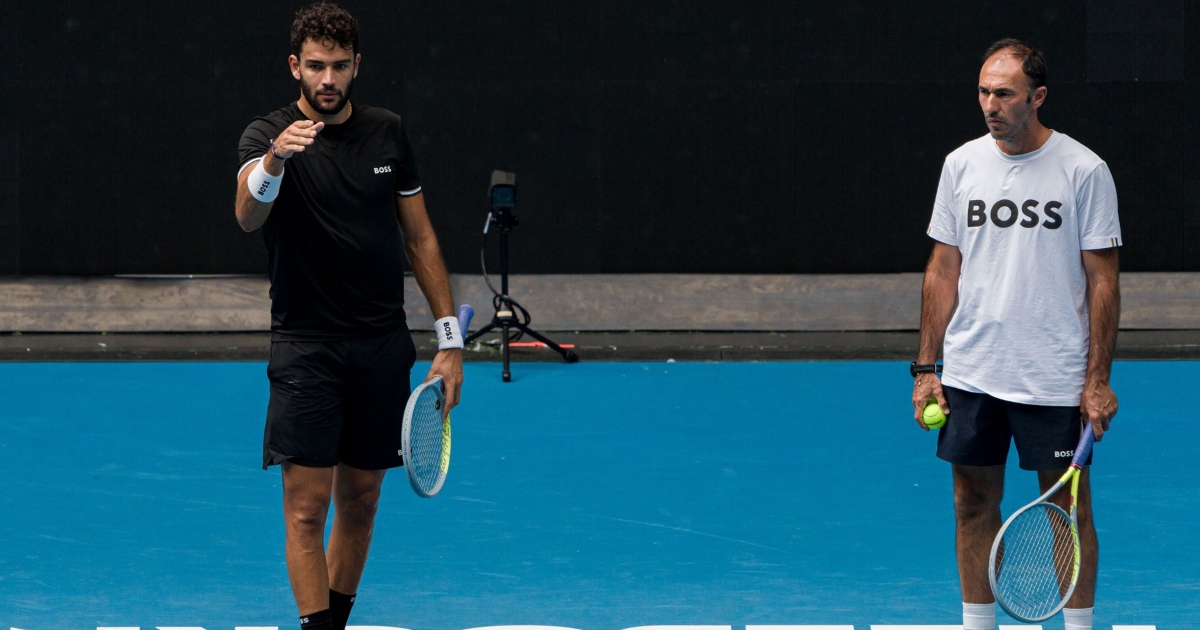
<point>1020,332</point>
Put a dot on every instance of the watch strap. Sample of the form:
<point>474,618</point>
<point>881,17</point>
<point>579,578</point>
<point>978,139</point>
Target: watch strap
<point>915,368</point>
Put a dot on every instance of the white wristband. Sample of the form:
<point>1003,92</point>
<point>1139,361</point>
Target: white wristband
<point>449,337</point>
<point>263,187</point>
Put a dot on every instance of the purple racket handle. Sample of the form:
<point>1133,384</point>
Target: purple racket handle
<point>465,313</point>
<point>1085,445</point>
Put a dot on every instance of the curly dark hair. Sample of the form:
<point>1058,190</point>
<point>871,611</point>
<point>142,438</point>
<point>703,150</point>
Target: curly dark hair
<point>1033,62</point>
<point>324,22</point>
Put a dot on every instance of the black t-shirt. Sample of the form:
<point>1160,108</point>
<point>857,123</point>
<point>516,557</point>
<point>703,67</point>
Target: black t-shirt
<point>335,251</point>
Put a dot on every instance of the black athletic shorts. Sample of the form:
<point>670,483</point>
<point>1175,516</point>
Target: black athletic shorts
<point>979,428</point>
<point>338,401</point>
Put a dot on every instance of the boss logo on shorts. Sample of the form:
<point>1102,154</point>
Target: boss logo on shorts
<point>1004,213</point>
<point>379,170</point>
<point>1070,453</point>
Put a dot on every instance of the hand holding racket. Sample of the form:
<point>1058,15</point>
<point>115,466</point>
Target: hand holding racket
<point>1034,564</point>
<point>448,365</point>
<point>1098,405</point>
<point>425,434</point>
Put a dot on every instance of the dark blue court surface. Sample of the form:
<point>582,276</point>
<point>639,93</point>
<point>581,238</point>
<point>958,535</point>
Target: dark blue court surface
<point>591,496</point>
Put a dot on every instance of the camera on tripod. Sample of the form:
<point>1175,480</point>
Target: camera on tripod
<point>504,201</point>
<point>503,194</point>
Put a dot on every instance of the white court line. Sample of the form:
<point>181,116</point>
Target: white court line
<point>799,627</point>
<point>959,627</point>
<point>680,628</point>
<point>1134,628</point>
<point>875,627</point>
<point>493,628</point>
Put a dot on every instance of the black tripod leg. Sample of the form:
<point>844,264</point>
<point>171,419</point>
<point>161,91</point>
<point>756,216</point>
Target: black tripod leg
<point>506,375</point>
<point>570,356</point>
<point>479,333</point>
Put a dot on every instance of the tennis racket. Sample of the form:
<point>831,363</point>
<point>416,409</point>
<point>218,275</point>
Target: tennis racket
<point>424,436</point>
<point>1034,564</point>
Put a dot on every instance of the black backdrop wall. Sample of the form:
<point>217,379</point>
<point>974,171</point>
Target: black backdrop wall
<point>732,136</point>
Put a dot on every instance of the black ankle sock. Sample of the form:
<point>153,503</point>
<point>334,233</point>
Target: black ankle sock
<point>317,621</point>
<point>339,606</point>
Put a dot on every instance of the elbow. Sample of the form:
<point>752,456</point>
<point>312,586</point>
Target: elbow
<point>941,274</point>
<point>417,244</point>
<point>412,251</point>
<point>244,210</point>
<point>245,223</point>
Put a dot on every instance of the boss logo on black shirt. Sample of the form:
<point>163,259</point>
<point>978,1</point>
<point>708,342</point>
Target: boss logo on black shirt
<point>383,169</point>
<point>1004,213</point>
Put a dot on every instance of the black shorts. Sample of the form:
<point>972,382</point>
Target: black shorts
<point>979,428</point>
<point>338,401</point>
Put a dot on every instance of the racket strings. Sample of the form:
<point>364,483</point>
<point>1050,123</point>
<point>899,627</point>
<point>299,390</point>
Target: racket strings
<point>425,439</point>
<point>1035,566</point>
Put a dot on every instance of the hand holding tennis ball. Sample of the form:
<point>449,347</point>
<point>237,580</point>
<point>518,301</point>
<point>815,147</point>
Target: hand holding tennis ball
<point>933,416</point>
<point>927,393</point>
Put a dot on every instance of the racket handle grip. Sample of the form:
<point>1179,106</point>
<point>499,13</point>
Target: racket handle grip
<point>465,313</point>
<point>1085,445</point>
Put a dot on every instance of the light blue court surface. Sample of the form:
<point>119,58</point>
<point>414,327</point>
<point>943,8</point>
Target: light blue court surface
<point>591,496</point>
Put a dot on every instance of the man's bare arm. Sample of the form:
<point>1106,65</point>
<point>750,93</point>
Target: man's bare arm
<point>939,293</point>
<point>1099,403</point>
<point>426,257</point>
<point>425,254</point>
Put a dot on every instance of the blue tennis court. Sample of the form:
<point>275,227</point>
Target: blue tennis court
<point>591,496</point>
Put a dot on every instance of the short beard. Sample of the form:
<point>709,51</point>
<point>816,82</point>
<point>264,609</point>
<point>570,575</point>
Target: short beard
<point>314,102</point>
<point>1012,132</point>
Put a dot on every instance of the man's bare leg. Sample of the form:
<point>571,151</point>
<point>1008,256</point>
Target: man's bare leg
<point>977,494</point>
<point>306,493</point>
<point>356,499</point>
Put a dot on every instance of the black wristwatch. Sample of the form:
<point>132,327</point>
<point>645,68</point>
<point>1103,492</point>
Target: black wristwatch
<point>915,368</point>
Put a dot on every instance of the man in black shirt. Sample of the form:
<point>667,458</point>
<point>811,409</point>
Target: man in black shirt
<point>337,220</point>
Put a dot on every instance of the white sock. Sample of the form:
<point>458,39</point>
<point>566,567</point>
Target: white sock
<point>980,617</point>
<point>1077,618</point>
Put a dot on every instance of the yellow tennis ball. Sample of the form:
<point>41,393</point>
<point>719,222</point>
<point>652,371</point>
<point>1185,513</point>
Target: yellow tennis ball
<point>933,416</point>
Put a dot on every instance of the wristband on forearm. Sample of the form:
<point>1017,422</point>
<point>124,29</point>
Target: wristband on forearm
<point>449,337</point>
<point>263,186</point>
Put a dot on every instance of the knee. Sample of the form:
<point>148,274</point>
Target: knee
<point>358,503</point>
<point>307,517</point>
<point>974,504</point>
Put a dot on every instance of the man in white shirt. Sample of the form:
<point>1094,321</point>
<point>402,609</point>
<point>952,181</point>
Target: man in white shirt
<point>1026,234</point>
